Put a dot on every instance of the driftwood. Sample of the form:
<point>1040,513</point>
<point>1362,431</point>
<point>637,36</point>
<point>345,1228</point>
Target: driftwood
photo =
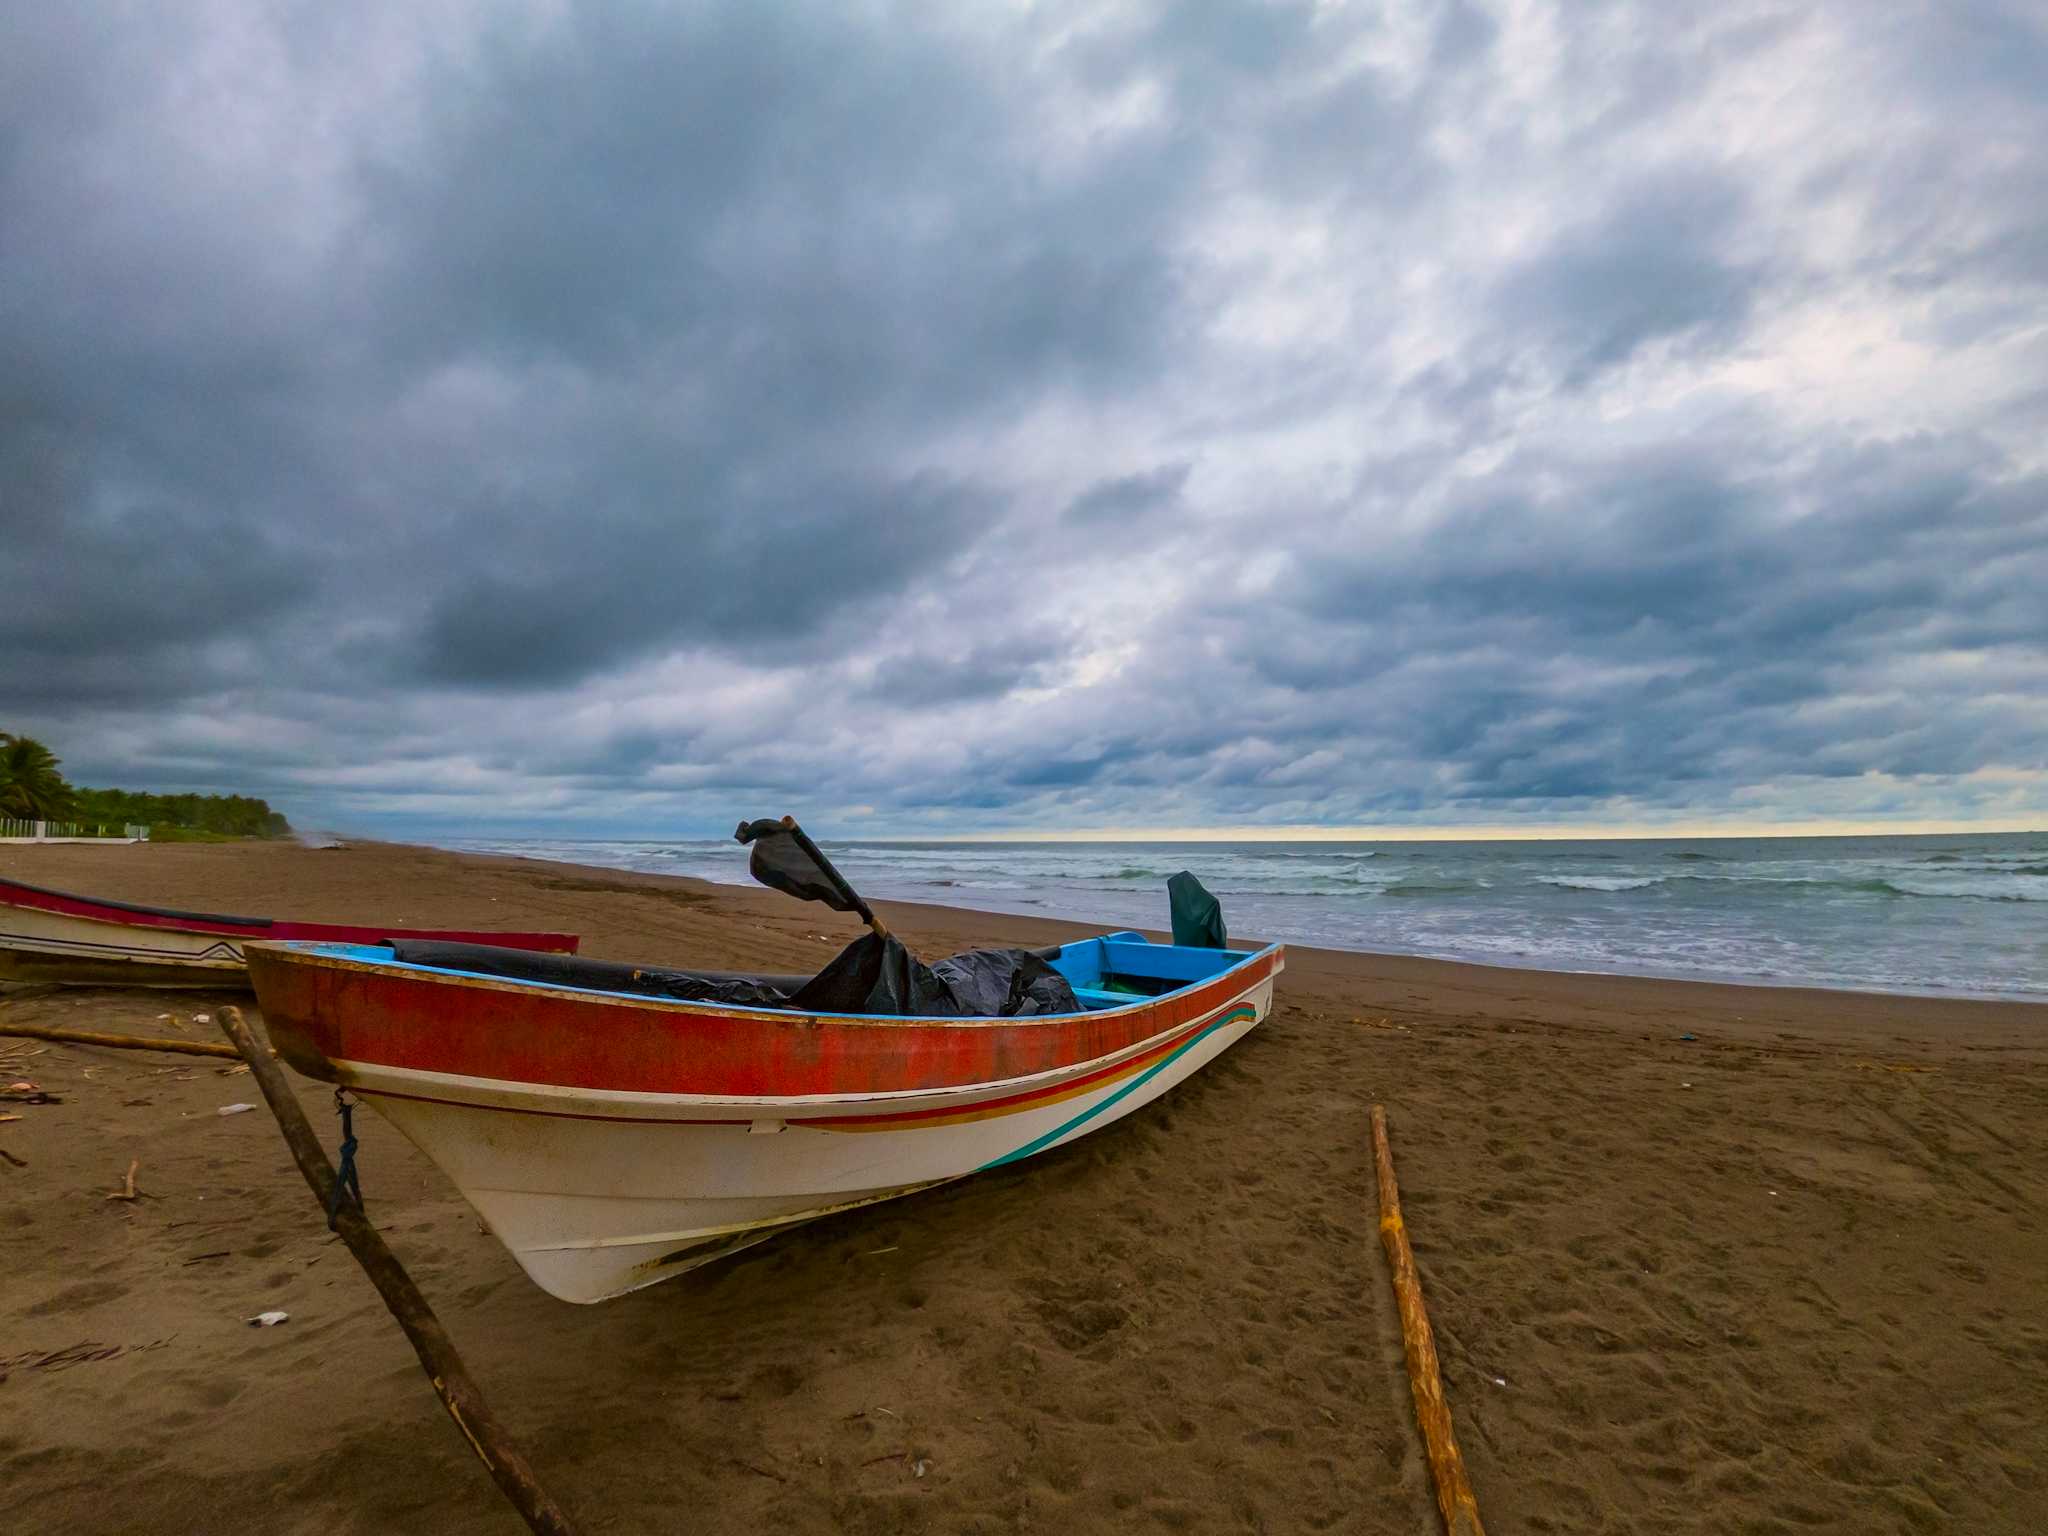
<point>118,1042</point>
<point>1454,1496</point>
<point>459,1394</point>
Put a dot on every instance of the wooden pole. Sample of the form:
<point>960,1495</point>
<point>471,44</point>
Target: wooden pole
<point>119,1042</point>
<point>459,1394</point>
<point>1454,1496</point>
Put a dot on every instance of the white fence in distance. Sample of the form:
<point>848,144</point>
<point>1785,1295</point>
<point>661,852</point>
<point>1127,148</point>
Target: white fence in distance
<point>15,829</point>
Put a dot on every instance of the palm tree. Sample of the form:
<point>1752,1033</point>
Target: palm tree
<point>30,785</point>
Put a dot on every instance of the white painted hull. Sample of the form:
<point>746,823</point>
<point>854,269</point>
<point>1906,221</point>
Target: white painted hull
<point>598,1193</point>
<point>37,945</point>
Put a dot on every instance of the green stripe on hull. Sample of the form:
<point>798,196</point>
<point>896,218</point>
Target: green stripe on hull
<point>1042,1142</point>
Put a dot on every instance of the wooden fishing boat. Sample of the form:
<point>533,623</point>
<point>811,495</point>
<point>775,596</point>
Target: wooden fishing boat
<point>54,936</point>
<point>612,1139</point>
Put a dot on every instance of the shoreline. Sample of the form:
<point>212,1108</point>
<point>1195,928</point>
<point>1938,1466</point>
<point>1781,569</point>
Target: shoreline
<point>1698,1256</point>
<point>954,913</point>
<point>1312,925</point>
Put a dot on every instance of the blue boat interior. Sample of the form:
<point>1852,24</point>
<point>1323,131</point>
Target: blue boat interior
<point>1112,971</point>
<point>1120,968</point>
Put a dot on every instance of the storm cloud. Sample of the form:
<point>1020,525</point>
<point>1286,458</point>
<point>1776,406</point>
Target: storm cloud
<point>934,420</point>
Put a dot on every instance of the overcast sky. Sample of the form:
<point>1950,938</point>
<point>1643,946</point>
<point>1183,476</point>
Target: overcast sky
<point>624,418</point>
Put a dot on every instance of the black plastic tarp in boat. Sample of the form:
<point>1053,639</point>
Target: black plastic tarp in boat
<point>871,975</point>
<point>880,976</point>
<point>1005,984</point>
<point>875,975</point>
<point>600,975</point>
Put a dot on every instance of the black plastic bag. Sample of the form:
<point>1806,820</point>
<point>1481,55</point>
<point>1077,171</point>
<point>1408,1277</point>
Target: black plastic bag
<point>875,975</point>
<point>1005,984</point>
<point>880,976</point>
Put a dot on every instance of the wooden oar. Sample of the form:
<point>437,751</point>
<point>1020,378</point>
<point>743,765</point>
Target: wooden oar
<point>1454,1498</point>
<point>459,1394</point>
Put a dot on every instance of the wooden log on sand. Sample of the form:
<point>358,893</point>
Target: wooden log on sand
<point>1454,1496</point>
<point>118,1042</point>
<point>459,1394</point>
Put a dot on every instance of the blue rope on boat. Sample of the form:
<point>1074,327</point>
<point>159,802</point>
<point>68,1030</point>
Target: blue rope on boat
<point>346,1184</point>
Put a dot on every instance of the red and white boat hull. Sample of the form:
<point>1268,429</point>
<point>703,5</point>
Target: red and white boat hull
<point>597,1191</point>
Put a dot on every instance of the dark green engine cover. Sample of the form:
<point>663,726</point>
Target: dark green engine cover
<point>1197,916</point>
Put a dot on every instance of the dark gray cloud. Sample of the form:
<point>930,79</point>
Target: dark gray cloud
<point>976,677</point>
<point>1193,415</point>
<point>1650,266</point>
<point>555,602</point>
<point>1122,497</point>
<point>120,593</point>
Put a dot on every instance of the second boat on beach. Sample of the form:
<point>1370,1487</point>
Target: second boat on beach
<point>55,936</point>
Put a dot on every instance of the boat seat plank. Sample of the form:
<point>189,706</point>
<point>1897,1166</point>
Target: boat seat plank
<point>1167,962</point>
<point>1096,997</point>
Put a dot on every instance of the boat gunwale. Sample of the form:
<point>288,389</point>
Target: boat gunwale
<point>127,910</point>
<point>307,952</point>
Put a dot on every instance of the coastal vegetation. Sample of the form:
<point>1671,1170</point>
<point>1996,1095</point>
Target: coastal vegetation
<point>33,788</point>
<point>30,785</point>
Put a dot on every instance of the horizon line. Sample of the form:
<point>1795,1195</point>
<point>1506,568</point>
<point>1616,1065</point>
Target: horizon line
<point>1549,832</point>
<point>1546,832</point>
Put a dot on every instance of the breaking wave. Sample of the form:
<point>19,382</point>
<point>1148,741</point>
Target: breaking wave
<point>2016,887</point>
<point>2023,883</point>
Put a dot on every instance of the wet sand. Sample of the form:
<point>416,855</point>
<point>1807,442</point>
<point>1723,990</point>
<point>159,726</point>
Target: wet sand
<point>1786,1276</point>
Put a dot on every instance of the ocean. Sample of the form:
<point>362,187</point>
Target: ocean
<point>1955,915</point>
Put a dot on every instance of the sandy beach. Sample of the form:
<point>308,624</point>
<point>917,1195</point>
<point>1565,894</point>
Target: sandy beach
<point>1783,1276</point>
